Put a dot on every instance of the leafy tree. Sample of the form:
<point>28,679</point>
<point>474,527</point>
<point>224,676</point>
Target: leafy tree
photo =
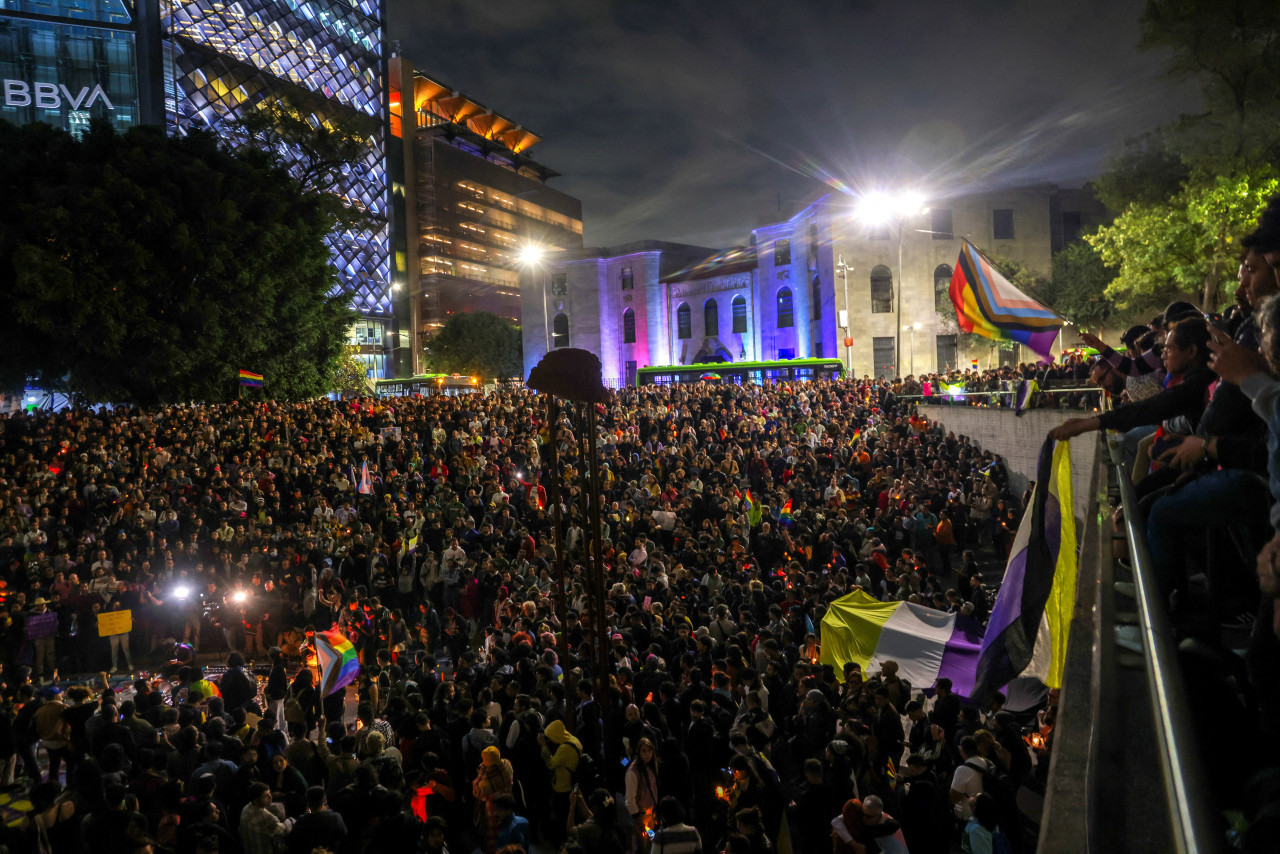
<point>319,151</point>
<point>147,269</point>
<point>477,343</point>
<point>1077,285</point>
<point>1232,49</point>
<point>1188,243</point>
<point>1186,193</point>
<point>350,375</point>
<point>1146,171</point>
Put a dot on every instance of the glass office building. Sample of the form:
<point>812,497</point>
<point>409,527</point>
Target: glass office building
<point>222,59</point>
<point>205,64</point>
<point>64,62</point>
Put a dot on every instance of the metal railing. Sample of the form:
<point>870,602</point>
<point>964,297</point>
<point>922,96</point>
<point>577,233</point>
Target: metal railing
<point>1080,398</point>
<point>1189,799</point>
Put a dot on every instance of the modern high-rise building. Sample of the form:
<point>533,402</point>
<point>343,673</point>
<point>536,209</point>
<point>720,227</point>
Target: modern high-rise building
<point>65,62</point>
<point>466,200</point>
<point>188,64</point>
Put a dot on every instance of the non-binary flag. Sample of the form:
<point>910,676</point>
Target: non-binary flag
<point>250,380</point>
<point>1025,390</point>
<point>1027,633</point>
<point>989,305</point>
<point>339,665</point>
<point>927,644</point>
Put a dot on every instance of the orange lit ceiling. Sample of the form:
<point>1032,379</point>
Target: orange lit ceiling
<point>436,97</point>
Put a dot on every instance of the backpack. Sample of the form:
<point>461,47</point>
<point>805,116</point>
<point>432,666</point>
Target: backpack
<point>997,783</point>
<point>293,712</point>
<point>390,773</point>
<point>587,775</point>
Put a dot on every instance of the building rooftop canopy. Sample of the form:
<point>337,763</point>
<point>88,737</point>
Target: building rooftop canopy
<point>447,103</point>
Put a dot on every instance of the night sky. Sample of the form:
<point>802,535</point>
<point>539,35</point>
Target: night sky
<point>695,121</point>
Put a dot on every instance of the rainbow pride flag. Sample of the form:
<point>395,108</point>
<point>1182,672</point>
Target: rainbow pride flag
<point>338,663</point>
<point>857,434</point>
<point>785,515</point>
<point>749,501</point>
<point>250,379</point>
<point>988,305</point>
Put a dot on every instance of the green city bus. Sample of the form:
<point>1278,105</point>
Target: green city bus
<point>741,373</point>
<point>427,384</point>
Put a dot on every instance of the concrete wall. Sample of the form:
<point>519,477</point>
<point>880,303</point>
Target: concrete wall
<point>1017,439</point>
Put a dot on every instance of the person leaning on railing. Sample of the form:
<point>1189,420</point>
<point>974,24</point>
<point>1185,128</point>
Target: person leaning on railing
<point>1186,360</point>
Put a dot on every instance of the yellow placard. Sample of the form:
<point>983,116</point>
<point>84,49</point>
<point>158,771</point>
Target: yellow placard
<point>114,623</point>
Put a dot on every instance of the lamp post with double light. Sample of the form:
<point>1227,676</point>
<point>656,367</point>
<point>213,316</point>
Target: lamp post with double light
<point>882,209</point>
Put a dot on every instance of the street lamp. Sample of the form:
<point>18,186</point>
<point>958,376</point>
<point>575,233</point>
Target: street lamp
<point>842,270</point>
<point>881,208</point>
<point>531,253</point>
<point>912,327</point>
<point>530,257</point>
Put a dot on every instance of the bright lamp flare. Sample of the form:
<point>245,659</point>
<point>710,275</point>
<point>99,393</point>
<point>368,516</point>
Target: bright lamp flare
<point>239,596</point>
<point>181,592</point>
<point>879,207</point>
<point>531,254</point>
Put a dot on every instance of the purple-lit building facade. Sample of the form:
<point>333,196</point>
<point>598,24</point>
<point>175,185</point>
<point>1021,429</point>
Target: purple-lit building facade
<point>816,285</point>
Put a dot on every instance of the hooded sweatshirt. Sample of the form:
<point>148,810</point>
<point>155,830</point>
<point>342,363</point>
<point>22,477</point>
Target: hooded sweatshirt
<point>563,762</point>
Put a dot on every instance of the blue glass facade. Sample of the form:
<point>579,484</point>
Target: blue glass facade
<point>63,73</point>
<point>223,59</point>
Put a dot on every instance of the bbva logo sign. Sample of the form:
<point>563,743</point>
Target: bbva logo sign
<point>51,96</point>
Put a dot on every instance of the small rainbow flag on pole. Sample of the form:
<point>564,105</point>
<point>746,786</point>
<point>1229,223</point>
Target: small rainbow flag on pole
<point>785,516</point>
<point>338,663</point>
<point>857,434</point>
<point>973,364</point>
<point>249,379</point>
<point>988,305</point>
<point>749,501</point>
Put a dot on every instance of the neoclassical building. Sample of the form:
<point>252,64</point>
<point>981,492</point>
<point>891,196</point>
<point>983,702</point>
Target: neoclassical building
<point>819,284</point>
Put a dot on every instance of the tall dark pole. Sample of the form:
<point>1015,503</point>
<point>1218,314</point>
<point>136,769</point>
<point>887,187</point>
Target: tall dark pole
<point>597,558</point>
<point>553,464</point>
<point>574,374</point>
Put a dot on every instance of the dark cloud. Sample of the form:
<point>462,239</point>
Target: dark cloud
<point>696,120</point>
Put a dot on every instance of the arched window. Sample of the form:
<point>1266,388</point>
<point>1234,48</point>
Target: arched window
<point>942,288</point>
<point>815,296</point>
<point>711,318</point>
<point>739,315</point>
<point>785,316</point>
<point>881,290</point>
<point>628,327</point>
<point>682,321</point>
<point>560,331</point>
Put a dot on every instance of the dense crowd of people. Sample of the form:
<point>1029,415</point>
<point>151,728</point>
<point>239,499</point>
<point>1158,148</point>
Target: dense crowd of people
<point>422,529</point>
